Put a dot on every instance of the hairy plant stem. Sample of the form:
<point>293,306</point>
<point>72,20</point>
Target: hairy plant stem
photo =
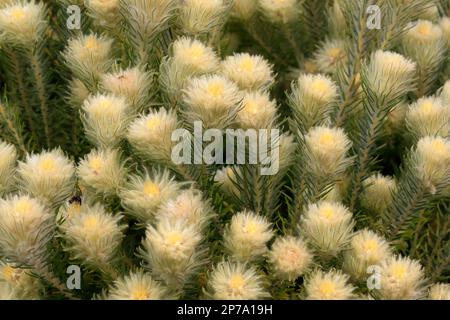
<point>11,127</point>
<point>287,32</point>
<point>38,75</point>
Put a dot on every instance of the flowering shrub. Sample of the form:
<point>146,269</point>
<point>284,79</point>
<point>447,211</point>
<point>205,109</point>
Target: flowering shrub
<point>95,95</point>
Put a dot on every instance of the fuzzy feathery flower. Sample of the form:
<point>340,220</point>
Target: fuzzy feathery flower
<point>247,235</point>
<point>199,16</point>
<point>188,207</point>
<point>20,283</point>
<point>172,252</point>
<point>137,285</point>
<point>132,84</point>
<point>290,257</point>
<point>212,99</point>
<point>258,111</point>
<point>424,32</point>
<point>8,158</point>
<point>377,193</point>
<point>143,195</point>
<point>327,150</point>
<point>432,160</point>
<point>49,176</point>
<point>439,291</point>
<point>103,12</point>
<point>332,285</point>
<point>226,179</point>
<point>26,227</point>
<point>88,56</point>
<point>366,249</point>
<point>102,172</point>
<point>93,236</point>
<point>330,55</point>
<point>105,119</point>
<point>429,117</point>
<point>151,134</point>
<point>193,56</point>
<point>249,72</point>
<point>401,279</point>
<point>22,23</point>
<point>328,227</point>
<point>235,281</point>
<point>312,96</point>
<point>280,11</point>
<point>390,74</point>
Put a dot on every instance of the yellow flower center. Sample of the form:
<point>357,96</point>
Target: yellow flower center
<point>251,107</point>
<point>47,164</point>
<point>18,14</point>
<point>327,288</point>
<point>427,107</point>
<point>90,223</point>
<point>250,228</point>
<point>399,271</point>
<point>215,89</point>
<point>326,138</point>
<point>424,29</point>
<point>23,206</point>
<point>91,43</point>
<point>327,213</point>
<point>334,53</point>
<point>246,64</point>
<point>236,282</point>
<point>73,209</point>
<point>151,189</point>
<point>174,239</point>
<point>195,52</point>
<point>8,273</point>
<point>152,122</point>
<point>96,164</point>
<point>438,146</point>
<point>140,294</point>
<point>370,245</point>
<point>319,86</point>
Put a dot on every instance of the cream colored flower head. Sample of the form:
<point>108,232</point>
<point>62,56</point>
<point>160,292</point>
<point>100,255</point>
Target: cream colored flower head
<point>172,251</point>
<point>332,285</point>
<point>22,285</point>
<point>22,23</point>
<point>151,134</point>
<point>249,72</point>
<point>328,227</point>
<point>193,56</point>
<point>424,32</point>
<point>8,158</point>
<point>401,279</point>
<point>390,73</point>
<point>433,160</point>
<point>25,229</point>
<point>290,258</point>
<point>280,11</point>
<point>199,16</point>
<point>327,150</point>
<point>246,236</point>
<point>212,99</point>
<point>102,172</point>
<point>93,236</point>
<point>244,9</point>
<point>366,249</point>
<point>88,56</point>
<point>445,94</point>
<point>188,207</point>
<point>439,291</point>
<point>257,111</point>
<point>143,194</point>
<point>312,95</point>
<point>428,117</point>
<point>235,281</point>
<point>330,55</point>
<point>105,119</point>
<point>137,285</point>
<point>49,176</point>
<point>377,193</point>
<point>226,179</point>
<point>132,84</point>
